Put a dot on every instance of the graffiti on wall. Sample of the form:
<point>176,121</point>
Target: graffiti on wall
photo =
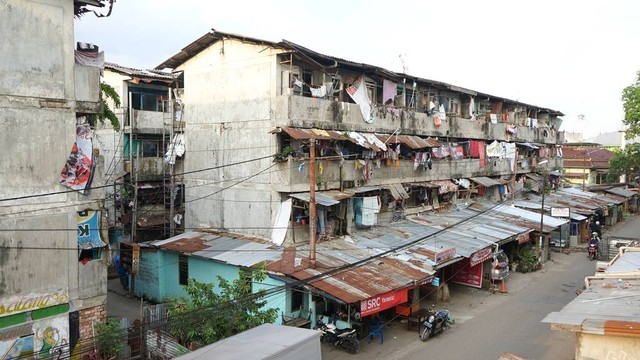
<point>32,302</point>
<point>51,337</point>
<point>16,348</point>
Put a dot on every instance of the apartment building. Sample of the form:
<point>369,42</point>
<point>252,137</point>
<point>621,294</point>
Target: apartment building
<point>53,261</point>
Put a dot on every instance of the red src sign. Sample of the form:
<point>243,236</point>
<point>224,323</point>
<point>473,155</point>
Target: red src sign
<point>382,302</point>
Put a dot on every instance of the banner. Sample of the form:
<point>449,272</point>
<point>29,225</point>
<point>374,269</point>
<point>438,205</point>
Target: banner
<point>465,274</point>
<point>358,92</point>
<point>76,173</point>
<point>382,302</point>
<point>89,229</point>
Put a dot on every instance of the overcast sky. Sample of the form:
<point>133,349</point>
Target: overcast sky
<point>571,56</point>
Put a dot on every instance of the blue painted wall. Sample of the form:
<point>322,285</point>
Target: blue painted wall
<point>158,278</point>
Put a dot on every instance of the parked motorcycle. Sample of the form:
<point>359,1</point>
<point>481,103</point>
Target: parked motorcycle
<point>436,322</point>
<point>593,246</point>
<point>345,339</point>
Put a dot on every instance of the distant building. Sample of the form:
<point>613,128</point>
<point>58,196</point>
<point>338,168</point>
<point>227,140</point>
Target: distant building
<point>586,164</point>
<point>612,140</point>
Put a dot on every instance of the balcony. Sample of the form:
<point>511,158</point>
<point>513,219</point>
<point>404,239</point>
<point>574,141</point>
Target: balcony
<point>148,168</point>
<point>87,89</point>
<point>308,112</point>
<point>290,179</point>
<point>145,122</point>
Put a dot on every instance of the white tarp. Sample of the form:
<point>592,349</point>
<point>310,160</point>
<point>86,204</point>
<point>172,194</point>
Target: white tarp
<point>175,149</point>
<point>358,92</point>
<point>282,222</point>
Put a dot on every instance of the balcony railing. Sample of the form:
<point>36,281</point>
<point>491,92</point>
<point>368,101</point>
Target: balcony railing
<point>328,114</point>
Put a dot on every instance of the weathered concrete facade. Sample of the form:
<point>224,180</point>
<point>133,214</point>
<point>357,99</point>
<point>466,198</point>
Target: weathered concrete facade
<point>42,91</point>
<point>238,89</point>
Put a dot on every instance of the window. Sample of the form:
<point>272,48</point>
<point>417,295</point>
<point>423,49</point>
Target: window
<point>87,255</point>
<point>151,148</point>
<point>296,299</point>
<point>147,99</point>
<point>183,269</point>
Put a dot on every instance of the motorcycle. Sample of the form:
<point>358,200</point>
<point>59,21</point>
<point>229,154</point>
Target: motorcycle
<point>345,339</point>
<point>436,322</point>
<point>593,246</point>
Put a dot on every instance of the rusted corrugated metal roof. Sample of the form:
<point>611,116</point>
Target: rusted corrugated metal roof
<point>412,141</point>
<point>305,134</point>
<point>484,181</point>
<point>622,192</point>
<point>233,249</point>
<point>140,73</point>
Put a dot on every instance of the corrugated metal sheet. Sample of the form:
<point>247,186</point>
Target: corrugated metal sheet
<point>411,141</point>
<point>397,191</point>
<point>321,199</point>
<point>362,189</point>
<point>140,73</point>
<point>484,181</point>
<point>445,186</point>
<point>233,249</point>
<point>622,192</point>
<point>305,134</point>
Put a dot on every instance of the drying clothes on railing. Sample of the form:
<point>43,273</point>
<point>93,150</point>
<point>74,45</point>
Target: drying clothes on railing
<point>358,92</point>
<point>494,149</point>
<point>456,152</point>
<point>512,129</point>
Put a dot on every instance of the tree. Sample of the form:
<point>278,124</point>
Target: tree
<point>107,92</point>
<point>631,103</point>
<point>110,339</point>
<point>625,162</point>
<point>208,316</point>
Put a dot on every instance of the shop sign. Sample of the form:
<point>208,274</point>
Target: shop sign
<point>382,302</point>
<point>523,238</point>
<point>465,274</point>
<point>32,302</point>
<point>480,256</point>
<point>560,212</point>
<point>435,281</point>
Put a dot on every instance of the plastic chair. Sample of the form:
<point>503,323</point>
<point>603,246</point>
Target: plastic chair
<point>376,329</point>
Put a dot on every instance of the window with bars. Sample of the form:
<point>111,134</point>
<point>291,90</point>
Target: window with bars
<point>183,269</point>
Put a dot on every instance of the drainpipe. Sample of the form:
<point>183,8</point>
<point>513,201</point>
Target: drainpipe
<point>312,202</point>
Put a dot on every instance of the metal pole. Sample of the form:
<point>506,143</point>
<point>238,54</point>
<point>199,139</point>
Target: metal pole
<point>312,202</point>
<point>515,172</point>
<point>539,242</point>
<point>172,183</point>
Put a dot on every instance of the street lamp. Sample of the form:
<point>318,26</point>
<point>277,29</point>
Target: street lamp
<point>544,181</point>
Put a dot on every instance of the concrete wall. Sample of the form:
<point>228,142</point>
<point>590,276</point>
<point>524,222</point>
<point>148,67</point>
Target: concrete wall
<point>228,110</point>
<point>38,107</point>
<point>590,346</point>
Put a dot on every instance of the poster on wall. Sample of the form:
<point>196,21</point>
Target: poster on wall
<point>465,274</point>
<point>89,229</point>
<point>78,169</point>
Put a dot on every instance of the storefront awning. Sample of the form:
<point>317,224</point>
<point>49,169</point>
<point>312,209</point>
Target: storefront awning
<point>484,181</point>
<point>397,191</point>
<point>411,141</point>
<point>445,186</point>
<point>321,199</point>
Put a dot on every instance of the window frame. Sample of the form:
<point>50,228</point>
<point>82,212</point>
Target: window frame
<point>183,269</point>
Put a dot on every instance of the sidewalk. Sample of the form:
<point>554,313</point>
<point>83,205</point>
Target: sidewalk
<point>120,304</point>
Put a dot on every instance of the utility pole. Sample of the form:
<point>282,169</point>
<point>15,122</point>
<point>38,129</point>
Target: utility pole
<point>312,202</point>
<point>515,172</point>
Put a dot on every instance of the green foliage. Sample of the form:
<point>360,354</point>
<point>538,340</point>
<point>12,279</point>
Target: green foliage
<point>107,92</point>
<point>206,316</point>
<point>110,339</point>
<point>526,259</point>
<point>625,161</point>
<point>283,154</point>
<point>631,103</point>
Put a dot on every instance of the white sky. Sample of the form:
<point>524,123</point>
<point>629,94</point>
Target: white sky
<point>571,56</point>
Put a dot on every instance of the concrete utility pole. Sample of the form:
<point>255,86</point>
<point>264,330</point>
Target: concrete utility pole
<point>312,202</point>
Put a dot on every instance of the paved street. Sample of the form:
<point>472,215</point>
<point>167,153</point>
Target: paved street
<point>490,324</point>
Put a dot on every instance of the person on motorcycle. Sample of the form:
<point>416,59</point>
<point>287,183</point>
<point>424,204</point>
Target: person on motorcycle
<point>594,243</point>
<point>595,227</point>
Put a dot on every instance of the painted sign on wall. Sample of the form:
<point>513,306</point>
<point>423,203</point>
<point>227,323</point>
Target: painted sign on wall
<point>89,229</point>
<point>17,348</point>
<point>51,337</point>
<point>382,302</point>
<point>18,305</point>
<point>465,274</point>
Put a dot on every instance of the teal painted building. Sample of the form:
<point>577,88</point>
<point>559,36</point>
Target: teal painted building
<point>166,265</point>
